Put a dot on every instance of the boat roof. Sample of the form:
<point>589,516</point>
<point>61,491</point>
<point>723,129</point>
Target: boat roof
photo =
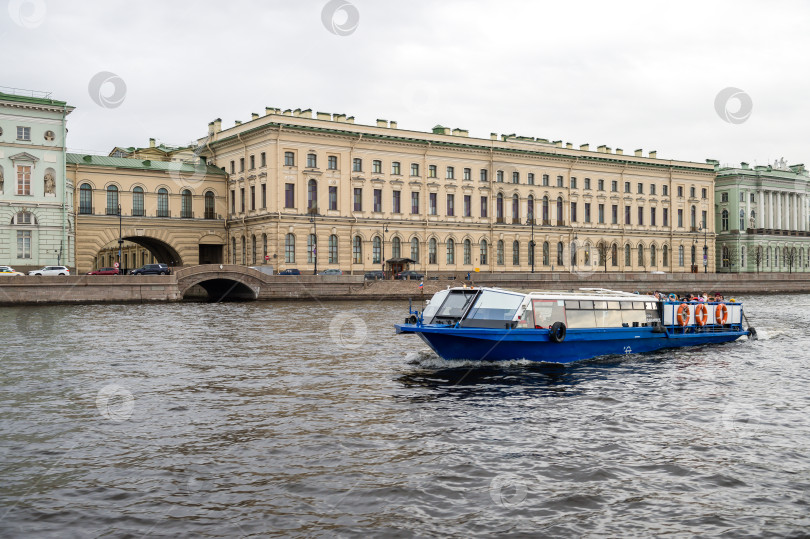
<point>595,294</point>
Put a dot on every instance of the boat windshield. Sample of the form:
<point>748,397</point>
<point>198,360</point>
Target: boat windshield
<point>433,305</point>
<point>493,309</point>
<point>454,306</point>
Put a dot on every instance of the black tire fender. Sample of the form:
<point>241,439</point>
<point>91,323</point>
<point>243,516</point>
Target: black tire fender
<point>557,332</point>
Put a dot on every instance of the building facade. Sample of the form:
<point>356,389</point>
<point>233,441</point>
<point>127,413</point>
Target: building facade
<point>763,218</point>
<point>174,212</point>
<point>319,190</point>
<point>36,224</point>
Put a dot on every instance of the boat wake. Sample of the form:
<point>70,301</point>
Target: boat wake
<point>428,359</point>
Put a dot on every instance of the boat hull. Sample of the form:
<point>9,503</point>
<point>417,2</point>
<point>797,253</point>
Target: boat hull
<point>535,345</point>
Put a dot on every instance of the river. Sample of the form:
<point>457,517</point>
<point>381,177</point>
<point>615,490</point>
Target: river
<point>313,419</point>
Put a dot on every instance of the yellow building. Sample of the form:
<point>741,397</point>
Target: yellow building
<point>306,190</point>
<point>173,210</point>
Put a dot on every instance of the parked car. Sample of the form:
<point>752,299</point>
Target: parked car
<point>152,269</point>
<point>104,271</point>
<point>331,272</point>
<point>8,270</point>
<point>291,271</point>
<point>409,275</point>
<point>50,270</point>
<point>374,275</point>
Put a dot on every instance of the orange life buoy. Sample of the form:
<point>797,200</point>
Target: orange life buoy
<point>683,314</point>
<point>721,314</point>
<point>701,314</point>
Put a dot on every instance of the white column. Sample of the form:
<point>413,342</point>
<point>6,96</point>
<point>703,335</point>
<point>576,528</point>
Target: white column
<point>779,222</point>
<point>746,220</point>
<point>796,214</point>
<point>761,210</point>
<point>769,204</point>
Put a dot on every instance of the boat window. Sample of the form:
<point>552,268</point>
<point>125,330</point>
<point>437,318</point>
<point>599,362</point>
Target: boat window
<point>493,305</point>
<point>526,320</point>
<point>581,319</point>
<point>600,304</point>
<point>634,317</point>
<point>547,311</point>
<point>586,305</point>
<point>613,305</point>
<point>433,305</point>
<point>455,305</point>
<point>638,304</point>
<point>627,305</point>
<point>571,304</point>
<point>608,318</point>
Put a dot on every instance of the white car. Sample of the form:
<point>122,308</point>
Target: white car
<point>8,270</point>
<point>51,270</point>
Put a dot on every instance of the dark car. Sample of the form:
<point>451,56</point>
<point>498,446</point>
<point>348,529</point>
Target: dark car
<point>104,271</point>
<point>410,275</point>
<point>291,271</point>
<point>331,272</point>
<point>375,275</point>
<point>152,269</point>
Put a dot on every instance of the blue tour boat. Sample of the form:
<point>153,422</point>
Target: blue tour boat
<point>493,324</point>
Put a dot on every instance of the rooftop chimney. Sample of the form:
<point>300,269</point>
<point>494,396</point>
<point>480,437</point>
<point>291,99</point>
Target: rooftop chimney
<point>254,115</point>
<point>569,145</point>
<point>217,125</point>
<point>584,147</point>
<point>653,154</point>
<point>151,143</point>
<point>323,116</point>
<point>393,125</point>
<point>493,136</point>
<point>639,152</point>
<point>619,151</point>
<point>382,123</point>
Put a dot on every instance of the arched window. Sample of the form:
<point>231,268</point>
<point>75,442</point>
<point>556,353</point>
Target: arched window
<point>312,196</point>
<point>289,248</point>
<point>163,203</point>
<point>112,200</point>
<point>137,201</point>
<point>694,255</point>
<point>640,256</point>
<point>483,252</point>
<point>312,248</point>
<point>768,257</point>
<point>209,206</point>
<point>614,255</point>
<point>587,254</point>
<point>725,257</point>
<point>357,250</point>
<point>627,262</point>
<point>742,219</point>
<point>545,254</point>
<point>264,248</point>
<point>500,261</point>
<point>432,251</point>
<point>560,254</point>
<point>653,256</point>
<point>724,220</point>
<point>233,251</point>
<point>516,253</point>
<point>185,204</point>
<point>530,208</point>
<point>396,247</point>
<point>515,208</point>
<point>253,250</point>
<point>559,210</point>
<point>545,211</point>
<point>244,251</point>
<point>451,251</point>
<point>415,249</point>
<point>499,207</point>
<point>86,199</point>
<point>467,252</point>
<point>665,255</point>
<point>333,249</point>
<point>574,253</point>
<point>776,260</point>
<point>693,217</point>
<point>753,219</point>
<point>376,250</point>
<point>24,218</point>
<point>531,252</point>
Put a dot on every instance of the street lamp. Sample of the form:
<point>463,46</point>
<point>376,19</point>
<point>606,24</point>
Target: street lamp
<point>382,257</point>
<point>313,213</point>
<point>531,243</point>
<point>120,239</point>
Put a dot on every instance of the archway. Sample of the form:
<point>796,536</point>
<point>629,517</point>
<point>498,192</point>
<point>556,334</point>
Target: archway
<point>220,290</point>
<point>136,251</point>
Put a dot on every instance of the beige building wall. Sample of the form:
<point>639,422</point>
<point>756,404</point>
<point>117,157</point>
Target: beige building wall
<point>265,156</point>
<point>172,223</point>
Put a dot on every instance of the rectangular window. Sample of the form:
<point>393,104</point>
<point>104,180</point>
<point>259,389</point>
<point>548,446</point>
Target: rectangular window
<point>680,190</point>
<point>641,215</point>
<point>376,167</point>
<point>559,181</point>
<point>451,173</point>
<point>703,194</point>
<point>573,212</point>
<point>545,180</point>
<point>723,197</point>
<point>587,183</point>
<point>614,186</point>
<point>23,244</point>
<point>233,167</point>
<point>652,188</point>
<point>627,215</point>
<point>358,199</point>
<point>23,133</point>
<point>263,159</point>
<point>397,202</point>
<point>432,171</point>
<point>468,174</point>
<point>614,216</point>
<point>242,199</point>
<point>432,203</point>
<point>516,177</point>
<point>264,195</point>
<point>665,216</point>
<point>573,183</point>
<point>626,187</point>
<point>233,201</point>
<point>600,184</point>
<point>289,195</point>
<point>333,197</point>
<point>415,202</point>
<point>252,197</point>
<point>241,164</point>
<point>312,160</point>
<point>640,190</point>
<point>289,159</point>
<point>703,214</point>
<point>395,168</point>
<point>484,175</point>
<point>331,162</point>
<point>484,208</point>
<point>23,179</point>
<point>530,178</point>
<point>378,200</point>
<point>252,162</point>
<point>652,216</point>
<point>587,212</point>
<point>357,165</point>
<point>451,205</point>
<point>414,169</point>
<point>680,218</point>
<point>467,205</point>
<point>601,214</point>
<point>499,176</point>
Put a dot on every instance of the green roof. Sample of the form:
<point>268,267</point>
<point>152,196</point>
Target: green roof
<point>139,164</point>
<point>34,100</point>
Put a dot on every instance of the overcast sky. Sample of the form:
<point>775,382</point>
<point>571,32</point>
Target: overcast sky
<point>625,74</point>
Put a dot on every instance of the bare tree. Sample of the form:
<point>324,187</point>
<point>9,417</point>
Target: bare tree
<point>758,257</point>
<point>790,257</point>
